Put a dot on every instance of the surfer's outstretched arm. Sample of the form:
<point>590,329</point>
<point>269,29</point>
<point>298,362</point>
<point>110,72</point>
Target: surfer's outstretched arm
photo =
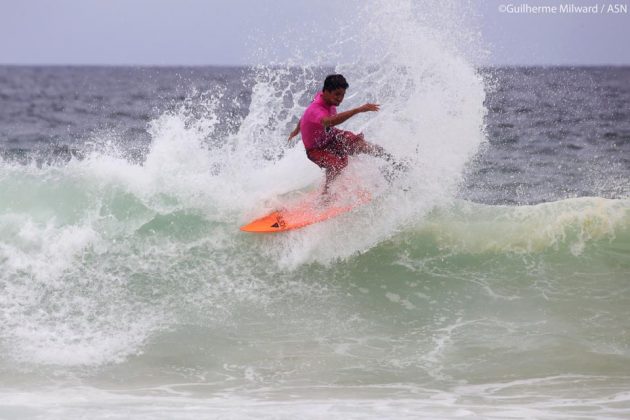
<point>337,119</point>
<point>295,131</point>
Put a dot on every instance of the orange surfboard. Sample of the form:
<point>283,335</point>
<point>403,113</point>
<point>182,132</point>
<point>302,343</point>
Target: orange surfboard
<point>305,213</point>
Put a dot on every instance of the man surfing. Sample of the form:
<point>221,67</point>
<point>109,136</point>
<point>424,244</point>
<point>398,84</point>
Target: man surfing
<point>327,146</point>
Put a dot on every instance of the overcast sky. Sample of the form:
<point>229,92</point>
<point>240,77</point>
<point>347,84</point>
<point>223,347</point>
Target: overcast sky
<point>213,32</point>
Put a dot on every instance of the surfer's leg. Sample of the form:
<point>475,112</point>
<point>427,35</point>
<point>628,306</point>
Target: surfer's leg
<point>331,162</point>
<point>335,165</point>
<point>356,144</point>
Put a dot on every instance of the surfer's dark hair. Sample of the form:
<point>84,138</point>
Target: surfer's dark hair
<point>335,81</point>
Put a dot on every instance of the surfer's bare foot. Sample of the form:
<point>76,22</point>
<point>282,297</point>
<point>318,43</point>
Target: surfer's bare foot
<point>326,198</point>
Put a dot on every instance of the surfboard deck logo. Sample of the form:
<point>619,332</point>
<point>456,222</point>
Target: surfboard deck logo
<point>306,212</point>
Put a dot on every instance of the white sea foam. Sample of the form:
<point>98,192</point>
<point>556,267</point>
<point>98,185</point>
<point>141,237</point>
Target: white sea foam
<point>401,401</point>
<point>431,115</point>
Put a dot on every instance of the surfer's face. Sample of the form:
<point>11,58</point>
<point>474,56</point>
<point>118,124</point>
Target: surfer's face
<point>334,97</point>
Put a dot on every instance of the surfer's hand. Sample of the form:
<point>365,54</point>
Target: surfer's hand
<point>369,107</point>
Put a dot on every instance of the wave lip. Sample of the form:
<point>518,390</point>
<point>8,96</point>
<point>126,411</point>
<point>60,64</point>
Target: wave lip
<point>467,227</point>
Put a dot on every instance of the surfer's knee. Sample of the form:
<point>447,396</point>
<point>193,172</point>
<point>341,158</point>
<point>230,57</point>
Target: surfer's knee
<point>338,165</point>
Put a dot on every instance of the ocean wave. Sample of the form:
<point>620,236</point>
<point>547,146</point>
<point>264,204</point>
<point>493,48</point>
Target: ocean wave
<point>571,224</point>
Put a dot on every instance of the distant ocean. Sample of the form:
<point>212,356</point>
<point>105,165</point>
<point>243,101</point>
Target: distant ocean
<point>491,280</point>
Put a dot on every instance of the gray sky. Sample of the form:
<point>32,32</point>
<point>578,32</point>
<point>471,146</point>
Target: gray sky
<point>213,32</point>
<point>556,38</point>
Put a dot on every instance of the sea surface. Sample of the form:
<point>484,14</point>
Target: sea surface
<point>490,280</point>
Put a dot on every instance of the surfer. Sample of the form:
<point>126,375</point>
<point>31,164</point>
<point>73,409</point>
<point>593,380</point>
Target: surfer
<point>326,145</point>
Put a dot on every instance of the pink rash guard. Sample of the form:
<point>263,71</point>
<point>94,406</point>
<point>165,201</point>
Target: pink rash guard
<point>311,126</point>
